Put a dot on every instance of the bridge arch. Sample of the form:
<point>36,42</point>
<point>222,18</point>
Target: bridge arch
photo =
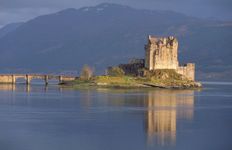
<point>18,79</point>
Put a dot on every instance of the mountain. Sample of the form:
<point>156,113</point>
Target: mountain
<point>8,28</point>
<point>109,34</point>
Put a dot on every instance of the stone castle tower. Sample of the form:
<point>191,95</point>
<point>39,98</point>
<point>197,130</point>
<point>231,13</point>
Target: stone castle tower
<point>162,53</point>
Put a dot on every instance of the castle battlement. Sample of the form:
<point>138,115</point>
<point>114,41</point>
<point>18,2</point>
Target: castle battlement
<point>164,42</point>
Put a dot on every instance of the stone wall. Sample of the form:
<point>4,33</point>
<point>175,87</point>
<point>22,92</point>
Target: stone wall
<point>161,53</point>
<point>187,70</point>
<point>6,79</point>
<point>133,68</point>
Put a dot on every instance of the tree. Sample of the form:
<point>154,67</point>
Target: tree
<point>86,72</point>
<point>115,71</point>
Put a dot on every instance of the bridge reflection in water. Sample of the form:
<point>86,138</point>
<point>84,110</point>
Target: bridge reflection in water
<point>28,88</point>
<point>165,107</point>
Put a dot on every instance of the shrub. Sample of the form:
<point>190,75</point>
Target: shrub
<point>115,71</point>
<point>86,72</point>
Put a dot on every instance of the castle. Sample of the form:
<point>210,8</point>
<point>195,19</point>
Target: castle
<point>162,53</point>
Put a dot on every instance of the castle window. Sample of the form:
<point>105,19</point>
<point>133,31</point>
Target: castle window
<point>156,52</point>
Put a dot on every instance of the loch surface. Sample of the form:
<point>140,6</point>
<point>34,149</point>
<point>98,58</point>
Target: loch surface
<point>37,117</point>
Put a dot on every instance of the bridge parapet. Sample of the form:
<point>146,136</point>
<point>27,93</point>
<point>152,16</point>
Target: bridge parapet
<point>11,78</point>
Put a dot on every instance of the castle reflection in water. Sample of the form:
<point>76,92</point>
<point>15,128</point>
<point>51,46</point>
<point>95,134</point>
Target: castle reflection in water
<point>165,107</point>
<point>162,108</point>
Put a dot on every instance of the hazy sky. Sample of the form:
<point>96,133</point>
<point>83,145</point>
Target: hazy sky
<point>22,10</point>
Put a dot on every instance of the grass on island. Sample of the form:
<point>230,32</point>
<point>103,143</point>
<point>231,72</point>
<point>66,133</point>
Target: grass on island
<point>107,81</point>
<point>158,78</point>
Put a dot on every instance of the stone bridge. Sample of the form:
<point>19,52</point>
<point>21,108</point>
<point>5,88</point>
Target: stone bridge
<point>12,78</point>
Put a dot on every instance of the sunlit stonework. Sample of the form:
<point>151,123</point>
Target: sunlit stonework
<point>162,53</point>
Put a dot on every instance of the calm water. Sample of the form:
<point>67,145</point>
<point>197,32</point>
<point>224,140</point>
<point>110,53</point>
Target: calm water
<point>52,118</point>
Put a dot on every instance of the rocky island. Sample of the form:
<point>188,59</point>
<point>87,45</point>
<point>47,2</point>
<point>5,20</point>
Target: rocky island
<point>160,68</point>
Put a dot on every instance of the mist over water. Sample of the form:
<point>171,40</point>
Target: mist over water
<point>51,117</point>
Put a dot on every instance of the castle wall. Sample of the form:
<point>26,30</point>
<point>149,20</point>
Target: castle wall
<point>149,61</point>
<point>133,68</point>
<point>161,53</point>
<point>164,58</point>
<point>188,71</point>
